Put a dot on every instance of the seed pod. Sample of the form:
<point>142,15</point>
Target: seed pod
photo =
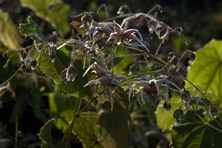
<point>52,52</point>
<point>167,106</point>
<point>63,75</point>
<point>178,114</point>
<point>192,56</point>
<point>71,73</point>
<point>53,56</point>
<point>54,37</point>
<point>33,64</point>
<point>23,66</point>
<point>213,111</point>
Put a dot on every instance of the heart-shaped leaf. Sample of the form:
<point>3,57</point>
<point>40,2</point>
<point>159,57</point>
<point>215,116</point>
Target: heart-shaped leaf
<point>192,132</point>
<point>206,72</point>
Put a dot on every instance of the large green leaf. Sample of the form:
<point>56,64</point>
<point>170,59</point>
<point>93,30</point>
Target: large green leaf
<point>86,129</point>
<point>165,119</point>
<point>53,11</point>
<point>113,124</point>
<point>206,72</point>
<point>53,69</point>
<point>193,133</point>
<point>61,109</point>
<point>45,134</point>
<point>8,33</point>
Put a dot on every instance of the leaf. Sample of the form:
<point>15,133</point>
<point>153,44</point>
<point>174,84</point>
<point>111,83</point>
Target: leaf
<point>124,64</point>
<point>31,29</point>
<point>165,119</point>
<point>53,11</point>
<point>192,132</point>
<point>86,129</point>
<point>61,109</point>
<point>45,134</point>
<point>206,72</point>
<point>9,34</point>
<point>53,69</point>
<point>200,101</point>
<point>114,128</point>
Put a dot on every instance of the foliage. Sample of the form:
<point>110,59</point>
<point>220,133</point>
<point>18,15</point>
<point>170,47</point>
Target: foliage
<point>107,68</point>
<point>9,34</point>
<point>53,11</point>
<point>206,72</point>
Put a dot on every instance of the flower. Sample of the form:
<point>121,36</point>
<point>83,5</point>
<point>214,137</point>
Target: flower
<point>119,35</point>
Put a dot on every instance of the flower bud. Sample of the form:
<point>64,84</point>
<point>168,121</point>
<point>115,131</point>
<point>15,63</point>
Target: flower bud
<point>213,111</point>
<point>178,114</point>
<point>33,64</point>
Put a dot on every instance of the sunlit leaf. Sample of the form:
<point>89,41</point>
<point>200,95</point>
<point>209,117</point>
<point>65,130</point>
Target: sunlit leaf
<point>114,128</point>
<point>206,72</point>
<point>45,134</point>
<point>165,119</point>
<point>9,36</point>
<point>53,11</point>
<point>193,133</point>
<point>61,109</point>
<point>53,69</point>
<point>86,129</point>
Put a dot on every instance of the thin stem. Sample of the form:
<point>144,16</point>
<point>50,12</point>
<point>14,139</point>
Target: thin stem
<point>120,16</point>
<point>192,85</point>
<point>206,123</point>
<point>4,83</point>
<point>161,43</point>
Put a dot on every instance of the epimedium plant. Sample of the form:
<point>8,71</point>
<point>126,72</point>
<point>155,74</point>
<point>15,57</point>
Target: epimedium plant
<point>99,62</point>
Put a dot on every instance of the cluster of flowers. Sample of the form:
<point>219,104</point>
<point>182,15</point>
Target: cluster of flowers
<point>95,36</point>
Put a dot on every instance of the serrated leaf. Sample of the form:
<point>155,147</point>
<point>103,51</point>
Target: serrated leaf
<point>61,109</point>
<point>9,35</point>
<point>193,133</point>
<point>53,11</point>
<point>114,128</point>
<point>206,72</point>
<point>31,29</point>
<point>45,134</point>
<point>86,129</point>
<point>53,69</point>
<point>165,119</point>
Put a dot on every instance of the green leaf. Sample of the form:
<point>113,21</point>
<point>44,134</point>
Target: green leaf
<point>31,29</point>
<point>193,133</point>
<point>165,119</point>
<point>61,109</point>
<point>9,35</point>
<point>53,11</point>
<point>114,130</point>
<point>206,72</point>
<point>86,129</point>
<point>45,134</point>
<point>53,69</point>
<point>124,64</point>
